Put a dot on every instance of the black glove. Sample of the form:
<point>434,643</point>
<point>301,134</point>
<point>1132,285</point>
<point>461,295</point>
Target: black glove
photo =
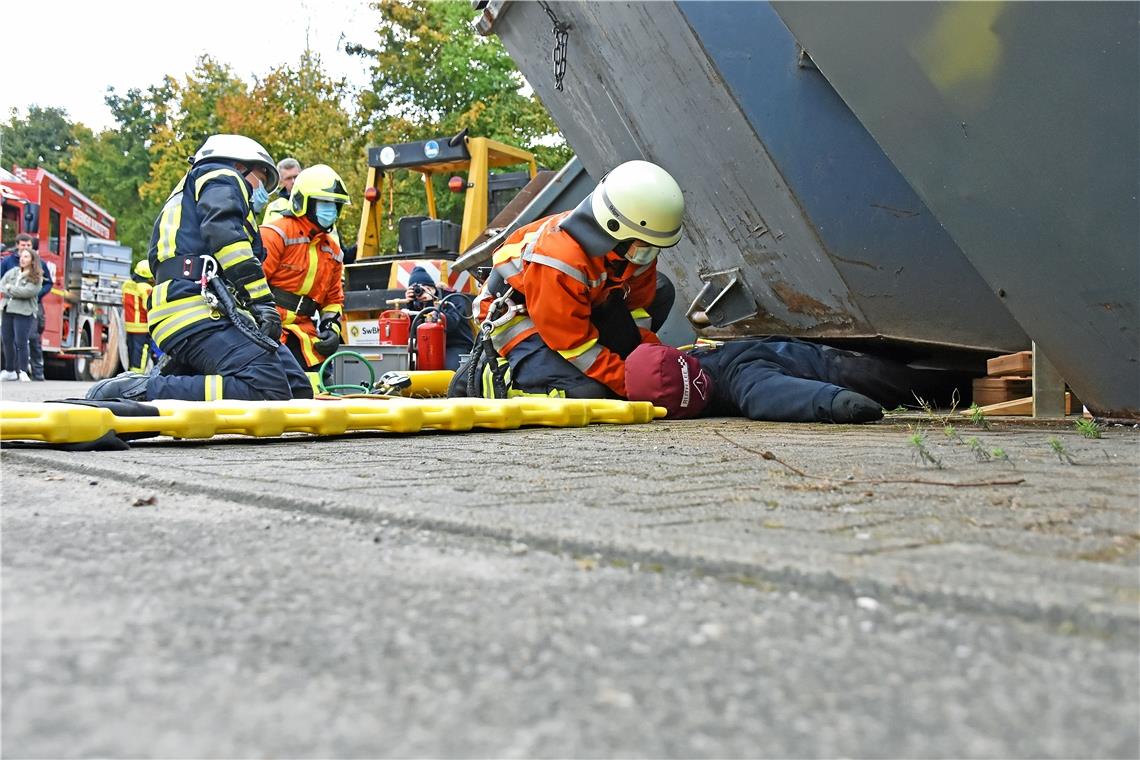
<point>616,329</point>
<point>349,253</point>
<point>327,342</point>
<point>268,320</point>
<point>849,406</point>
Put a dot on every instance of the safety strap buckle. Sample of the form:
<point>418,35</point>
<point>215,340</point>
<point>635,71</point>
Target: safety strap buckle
<point>509,310</point>
<point>209,272</point>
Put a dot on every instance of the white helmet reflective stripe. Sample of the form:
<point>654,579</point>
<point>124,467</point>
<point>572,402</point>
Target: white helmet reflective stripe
<point>639,200</point>
<point>239,148</point>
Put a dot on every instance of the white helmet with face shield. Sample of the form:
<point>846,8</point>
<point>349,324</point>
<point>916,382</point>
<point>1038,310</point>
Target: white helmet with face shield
<point>639,202</point>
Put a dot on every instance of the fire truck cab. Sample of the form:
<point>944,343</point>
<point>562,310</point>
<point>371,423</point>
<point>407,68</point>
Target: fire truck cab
<point>83,335</point>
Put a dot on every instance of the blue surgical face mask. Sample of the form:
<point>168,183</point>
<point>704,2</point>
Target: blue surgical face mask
<point>259,200</point>
<point>327,212</point>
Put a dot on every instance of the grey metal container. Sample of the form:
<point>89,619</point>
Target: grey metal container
<point>796,222</point>
<point>1019,125</point>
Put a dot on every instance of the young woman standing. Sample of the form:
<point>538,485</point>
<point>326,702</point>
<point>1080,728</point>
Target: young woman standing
<point>20,288</point>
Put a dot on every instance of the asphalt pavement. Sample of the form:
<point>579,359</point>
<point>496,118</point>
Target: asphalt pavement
<point>651,591</point>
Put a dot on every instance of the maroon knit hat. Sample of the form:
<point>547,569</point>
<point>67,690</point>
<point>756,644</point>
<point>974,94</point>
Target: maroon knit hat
<point>668,378</point>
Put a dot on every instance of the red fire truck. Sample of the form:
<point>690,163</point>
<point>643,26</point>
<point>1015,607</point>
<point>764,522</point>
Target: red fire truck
<point>83,337</point>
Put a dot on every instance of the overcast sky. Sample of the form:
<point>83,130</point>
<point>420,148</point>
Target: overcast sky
<point>65,54</point>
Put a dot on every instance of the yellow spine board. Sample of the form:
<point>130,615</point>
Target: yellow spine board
<point>66,423</point>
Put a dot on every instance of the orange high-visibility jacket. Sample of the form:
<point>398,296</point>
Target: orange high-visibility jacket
<point>302,259</point>
<point>135,296</point>
<point>561,285</point>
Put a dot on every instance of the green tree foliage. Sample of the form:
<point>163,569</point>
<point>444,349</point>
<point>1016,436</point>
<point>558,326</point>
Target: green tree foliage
<point>432,76</point>
<point>44,139</point>
<point>192,117</point>
<point>298,110</point>
<point>113,165</point>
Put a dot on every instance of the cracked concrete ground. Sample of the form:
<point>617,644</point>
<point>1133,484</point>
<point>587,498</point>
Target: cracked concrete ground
<point>653,590</point>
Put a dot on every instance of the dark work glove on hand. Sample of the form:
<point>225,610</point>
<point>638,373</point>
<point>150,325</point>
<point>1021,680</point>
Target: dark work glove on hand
<point>268,320</point>
<point>849,406</point>
<point>327,342</point>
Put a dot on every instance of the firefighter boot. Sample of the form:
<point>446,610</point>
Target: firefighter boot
<point>128,386</point>
<point>849,406</point>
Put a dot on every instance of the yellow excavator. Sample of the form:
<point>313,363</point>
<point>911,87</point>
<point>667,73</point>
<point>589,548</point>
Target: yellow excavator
<point>377,281</point>
<point>380,276</point>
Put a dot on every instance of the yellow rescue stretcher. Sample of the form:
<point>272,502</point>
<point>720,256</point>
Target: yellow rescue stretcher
<point>64,423</point>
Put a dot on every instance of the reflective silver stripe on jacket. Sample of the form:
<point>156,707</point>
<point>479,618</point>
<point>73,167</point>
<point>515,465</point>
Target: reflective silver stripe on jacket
<point>586,359</point>
<point>642,269</point>
<point>561,266</point>
<point>508,332</point>
<point>508,268</point>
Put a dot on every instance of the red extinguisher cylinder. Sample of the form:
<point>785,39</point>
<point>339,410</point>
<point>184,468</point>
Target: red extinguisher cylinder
<point>394,328</point>
<point>431,344</point>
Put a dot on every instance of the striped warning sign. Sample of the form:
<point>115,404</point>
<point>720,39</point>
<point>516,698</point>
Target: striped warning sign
<point>438,269</point>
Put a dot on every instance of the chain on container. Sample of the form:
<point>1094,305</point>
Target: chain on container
<point>561,33</point>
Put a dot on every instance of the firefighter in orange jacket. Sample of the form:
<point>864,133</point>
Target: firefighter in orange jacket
<point>571,295</point>
<point>303,265</point>
<point>136,296</point>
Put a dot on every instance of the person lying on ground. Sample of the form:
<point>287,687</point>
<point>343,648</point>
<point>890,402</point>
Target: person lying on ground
<point>777,379</point>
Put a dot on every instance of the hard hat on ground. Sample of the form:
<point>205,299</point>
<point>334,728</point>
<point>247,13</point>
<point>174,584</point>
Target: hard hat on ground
<point>639,200</point>
<point>142,269</point>
<point>318,182</point>
<point>239,148</point>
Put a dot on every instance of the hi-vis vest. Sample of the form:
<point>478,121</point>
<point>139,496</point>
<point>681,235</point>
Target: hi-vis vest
<point>135,296</point>
<point>310,267</point>
<point>568,284</point>
<point>208,212</point>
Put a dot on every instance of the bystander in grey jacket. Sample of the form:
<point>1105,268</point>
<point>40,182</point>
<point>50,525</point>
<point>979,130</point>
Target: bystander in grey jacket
<point>21,295</point>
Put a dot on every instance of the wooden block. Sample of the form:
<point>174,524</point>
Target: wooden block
<point>1020,407</point>
<point>1020,363</point>
<point>995,390</point>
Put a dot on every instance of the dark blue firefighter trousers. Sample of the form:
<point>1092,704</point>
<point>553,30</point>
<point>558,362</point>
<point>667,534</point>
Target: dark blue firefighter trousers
<point>249,372</point>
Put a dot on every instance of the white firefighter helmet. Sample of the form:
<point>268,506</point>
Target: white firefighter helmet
<point>239,148</point>
<point>639,200</point>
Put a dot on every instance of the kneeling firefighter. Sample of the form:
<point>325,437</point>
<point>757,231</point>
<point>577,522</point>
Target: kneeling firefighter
<point>304,266</point>
<point>211,311</point>
<point>571,295</point>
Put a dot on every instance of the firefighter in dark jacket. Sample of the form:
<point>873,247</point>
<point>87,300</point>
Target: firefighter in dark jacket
<point>211,310</point>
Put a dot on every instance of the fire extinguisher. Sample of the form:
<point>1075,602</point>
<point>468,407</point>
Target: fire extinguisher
<point>428,348</point>
<point>393,326</point>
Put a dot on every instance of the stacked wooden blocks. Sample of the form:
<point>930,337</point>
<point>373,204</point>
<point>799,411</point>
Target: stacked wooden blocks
<point>1008,387</point>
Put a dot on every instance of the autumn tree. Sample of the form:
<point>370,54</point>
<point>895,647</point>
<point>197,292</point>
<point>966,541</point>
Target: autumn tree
<point>432,76</point>
<point>113,165</point>
<point>44,139</point>
<point>191,116</point>
<point>300,111</point>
